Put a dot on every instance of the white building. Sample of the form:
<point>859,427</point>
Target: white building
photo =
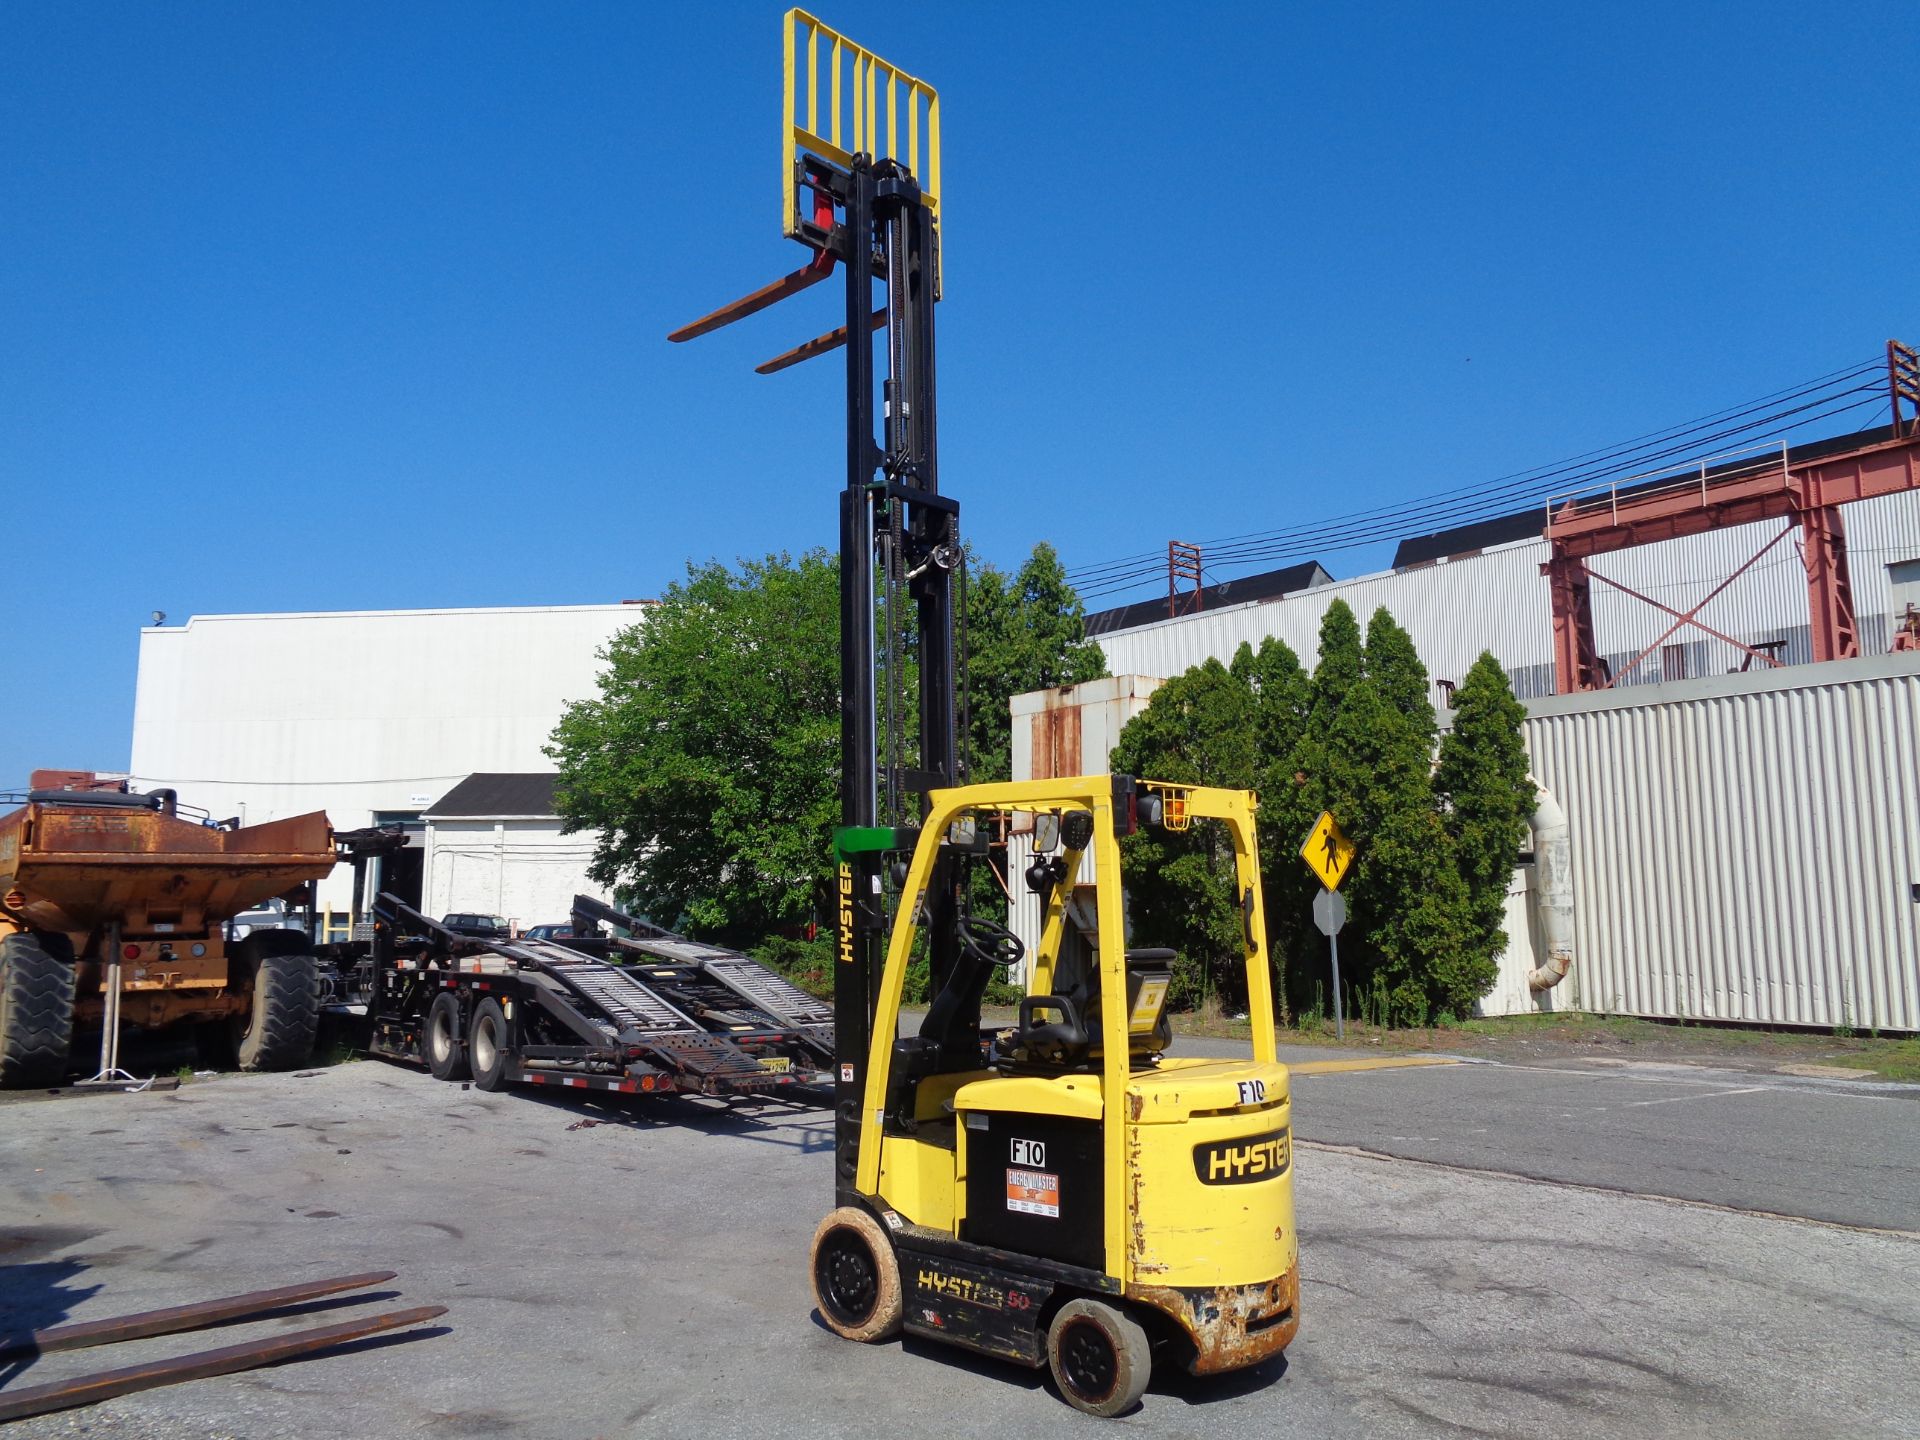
<point>495,845</point>
<point>372,716</point>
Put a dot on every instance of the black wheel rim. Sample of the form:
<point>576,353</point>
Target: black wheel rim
<point>849,1280</point>
<point>1087,1362</point>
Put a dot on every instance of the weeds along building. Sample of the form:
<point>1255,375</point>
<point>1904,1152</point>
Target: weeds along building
<point>434,720</point>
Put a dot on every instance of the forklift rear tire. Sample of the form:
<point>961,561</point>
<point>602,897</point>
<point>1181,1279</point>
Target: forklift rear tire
<point>488,1050</point>
<point>1100,1358</point>
<point>36,1009</point>
<point>446,1051</point>
<point>856,1277</point>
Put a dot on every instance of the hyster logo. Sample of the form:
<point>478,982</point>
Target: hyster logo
<point>846,913</point>
<point>1029,1152</point>
<point>1236,1162</point>
<point>960,1287</point>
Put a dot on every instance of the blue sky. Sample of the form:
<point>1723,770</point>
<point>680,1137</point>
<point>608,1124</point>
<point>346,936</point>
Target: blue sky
<point>351,306</point>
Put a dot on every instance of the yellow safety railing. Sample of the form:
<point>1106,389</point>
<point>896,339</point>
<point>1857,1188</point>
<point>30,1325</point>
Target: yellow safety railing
<point>870,106</point>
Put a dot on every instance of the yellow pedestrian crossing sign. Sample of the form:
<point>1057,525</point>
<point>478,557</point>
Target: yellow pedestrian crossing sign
<point>1327,850</point>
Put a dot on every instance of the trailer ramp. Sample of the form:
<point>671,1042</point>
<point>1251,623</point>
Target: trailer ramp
<point>618,1004</point>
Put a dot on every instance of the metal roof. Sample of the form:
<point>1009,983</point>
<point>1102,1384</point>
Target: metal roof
<point>1268,585</point>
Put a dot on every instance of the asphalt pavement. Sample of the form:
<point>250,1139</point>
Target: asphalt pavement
<point>1843,1151</point>
<point>646,1275</point>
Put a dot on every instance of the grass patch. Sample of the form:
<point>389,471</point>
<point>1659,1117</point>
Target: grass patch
<point>1574,1033</point>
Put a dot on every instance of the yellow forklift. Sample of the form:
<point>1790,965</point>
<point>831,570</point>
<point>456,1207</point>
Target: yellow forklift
<point>1057,1190</point>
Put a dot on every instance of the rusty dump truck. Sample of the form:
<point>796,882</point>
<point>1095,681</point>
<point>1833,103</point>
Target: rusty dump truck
<point>104,884</point>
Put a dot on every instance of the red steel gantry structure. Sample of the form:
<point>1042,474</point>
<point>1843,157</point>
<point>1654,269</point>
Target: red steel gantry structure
<point>1807,494</point>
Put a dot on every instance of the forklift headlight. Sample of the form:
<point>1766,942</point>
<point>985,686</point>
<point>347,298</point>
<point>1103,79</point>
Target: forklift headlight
<point>1151,808</point>
<point>1076,829</point>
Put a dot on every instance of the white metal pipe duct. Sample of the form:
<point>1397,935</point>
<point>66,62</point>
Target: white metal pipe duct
<point>1553,888</point>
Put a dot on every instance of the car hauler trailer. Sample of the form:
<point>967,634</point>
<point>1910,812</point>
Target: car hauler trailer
<point>657,1015</point>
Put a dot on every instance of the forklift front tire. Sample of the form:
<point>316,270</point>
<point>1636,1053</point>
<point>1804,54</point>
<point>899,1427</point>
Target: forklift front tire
<point>1100,1358</point>
<point>856,1277</point>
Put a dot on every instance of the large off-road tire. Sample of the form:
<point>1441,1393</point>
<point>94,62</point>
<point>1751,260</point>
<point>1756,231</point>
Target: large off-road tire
<point>856,1276</point>
<point>1100,1358</point>
<point>489,1048</point>
<point>282,980</point>
<point>441,1041</point>
<point>36,1009</point>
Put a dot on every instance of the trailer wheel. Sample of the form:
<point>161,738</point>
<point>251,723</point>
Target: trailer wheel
<point>1099,1356</point>
<point>488,1049</point>
<point>440,1038</point>
<point>282,981</point>
<point>856,1276</point>
<point>36,1009</point>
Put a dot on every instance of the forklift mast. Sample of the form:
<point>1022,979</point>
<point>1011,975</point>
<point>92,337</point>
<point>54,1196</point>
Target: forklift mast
<point>901,560</point>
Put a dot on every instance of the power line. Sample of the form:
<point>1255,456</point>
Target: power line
<point>1657,451</point>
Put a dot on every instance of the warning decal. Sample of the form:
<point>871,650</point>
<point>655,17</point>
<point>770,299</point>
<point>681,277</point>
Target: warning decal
<point>1034,1192</point>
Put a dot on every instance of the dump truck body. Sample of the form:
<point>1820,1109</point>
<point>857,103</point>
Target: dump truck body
<point>103,876</point>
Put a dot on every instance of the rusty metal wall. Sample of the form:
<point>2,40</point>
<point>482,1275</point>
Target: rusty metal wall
<point>1745,847</point>
<point>1069,730</point>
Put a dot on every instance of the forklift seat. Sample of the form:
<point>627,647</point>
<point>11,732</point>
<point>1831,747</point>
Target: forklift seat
<point>1074,1038</point>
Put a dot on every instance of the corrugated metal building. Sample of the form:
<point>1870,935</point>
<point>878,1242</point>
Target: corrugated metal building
<point>1744,847</point>
<point>372,716</point>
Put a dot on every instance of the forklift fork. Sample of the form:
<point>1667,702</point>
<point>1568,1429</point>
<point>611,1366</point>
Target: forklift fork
<point>807,276</point>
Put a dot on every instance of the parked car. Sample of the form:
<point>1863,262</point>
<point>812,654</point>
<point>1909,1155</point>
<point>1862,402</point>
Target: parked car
<point>548,932</point>
<point>478,927</point>
<point>268,915</point>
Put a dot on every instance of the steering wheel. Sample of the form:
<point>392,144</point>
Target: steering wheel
<point>989,942</point>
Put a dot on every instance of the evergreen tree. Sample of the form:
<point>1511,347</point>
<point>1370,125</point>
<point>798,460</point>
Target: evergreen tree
<point>1482,781</point>
<point>1394,665</point>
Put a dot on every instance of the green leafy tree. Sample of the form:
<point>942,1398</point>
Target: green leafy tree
<point>1482,782</point>
<point>1025,631</point>
<point>1198,729</point>
<point>709,762</point>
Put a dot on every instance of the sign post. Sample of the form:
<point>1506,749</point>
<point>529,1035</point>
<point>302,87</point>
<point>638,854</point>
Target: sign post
<point>1329,914</point>
<point>1328,853</point>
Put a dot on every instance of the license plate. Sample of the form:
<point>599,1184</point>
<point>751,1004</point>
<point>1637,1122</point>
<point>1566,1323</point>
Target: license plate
<point>779,1064</point>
